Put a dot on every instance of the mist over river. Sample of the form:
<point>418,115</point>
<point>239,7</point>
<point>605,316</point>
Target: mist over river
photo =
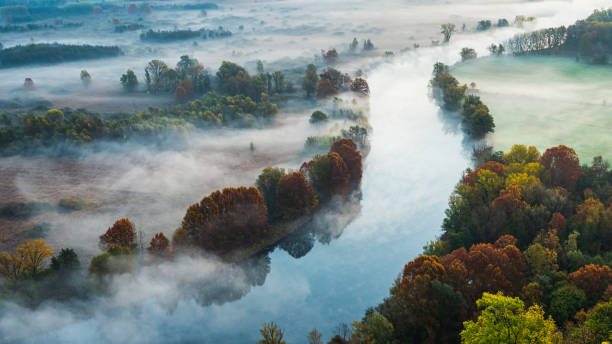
<point>417,156</point>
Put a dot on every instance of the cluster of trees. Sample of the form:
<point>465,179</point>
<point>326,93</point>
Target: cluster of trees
<point>331,82</point>
<point>468,54</point>
<point>53,53</point>
<point>121,28</point>
<point>477,120</point>
<point>177,35</point>
<point>239,217</point>
<point>525,257</point>
<point>29,132</point>
<point>367,45</point>
<point>589,38</point>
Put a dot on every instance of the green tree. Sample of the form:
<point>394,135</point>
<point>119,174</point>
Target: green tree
<point>374,329</point>
<point>66,260</point>
<point>85,78</point>
<point>271,334</point>
<point>565,302</point>
<point>129,81</point>
<point>599,321</point>
<point>156,73</point>
<point>311,80</point>
<point>468,54</point>
<point>504,320</point>
<point>267,183</point>
<point>317,117</point>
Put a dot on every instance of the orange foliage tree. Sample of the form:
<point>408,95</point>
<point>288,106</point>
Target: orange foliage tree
<point>347,149</point>
<point>361,87</point>
<point>326,88</point>
<point>121,233</point>
<point>486,268</point>
<point>295,196</point>
<point>328,174</point>
<point>160,246</point>
<point>563,166</point>
<point>492,166</point>
<point>593,280</point>
<point>227,219</point>
<point>27,259</point>
<point>180,94</point>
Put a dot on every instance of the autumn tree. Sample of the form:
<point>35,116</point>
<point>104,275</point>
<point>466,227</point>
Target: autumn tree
<point>361,87</point>
<point>521,154</point>
<point>347,149</point>
<point>540,259</point>
<point>504,320</point>
<point>271,334</point>
<point>331,56</point>
<point>563,166</point>
<point>593,280</point>
<point>29,259</point>
<point>329,175</point>
<point>325,88</point>
<point>227,219</point>
<point>160,246</point>
<point>122,233</point>
<point>180,94</point>
<point>311,80</point>
<point>295,196</point>
<point>594,222</point>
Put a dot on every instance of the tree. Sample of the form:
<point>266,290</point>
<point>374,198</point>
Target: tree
<point>347,149</point>
<point>354,44</point>
<point>180,94</point>
<point>331,56</point>
<point>267,183</point>
<point>468,54</point>
<point>156,75</point>
<point>122,233</point>
<point>521,154</point>
<point>160,246</point>
<point>28,84</point>
<point>27,259</point>
<point>188,86</point>
<point>599,321</point>
<point>66,260</point>
<point>504,320</point>
<point>116,260</point>
<point>129,81</point>
<point>325,88</point>
<point>563,166</point>
<point>233,80</point>
<point>271,334</point>
<point>295,196</point>
<point>593,280</point>
<point>226,220</point>
<point>447,31</point>
<point>540,259</point>
<point>565,302</point>
<point>361,87</point>
<point>375,328</point>
<point>184,65</point>
<point>329,175</point>
<point>317,117</point>
<point>279,82</point>
<point>314,337</point>
<point>85,78</point>
<point>311,80</point>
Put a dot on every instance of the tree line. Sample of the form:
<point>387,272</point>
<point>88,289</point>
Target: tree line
<point>477,121</point>
<point>53,53</point>
<point>177,35</point>
<point>588,39</point>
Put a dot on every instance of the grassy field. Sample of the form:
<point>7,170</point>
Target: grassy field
<point>545,101</point>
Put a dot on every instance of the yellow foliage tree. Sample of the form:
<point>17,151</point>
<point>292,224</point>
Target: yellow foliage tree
<point>28,257</point>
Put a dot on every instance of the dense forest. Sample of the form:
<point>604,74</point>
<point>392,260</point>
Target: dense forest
<point>524,257</point>
<point>53,53</point>
<point>588,39</point>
